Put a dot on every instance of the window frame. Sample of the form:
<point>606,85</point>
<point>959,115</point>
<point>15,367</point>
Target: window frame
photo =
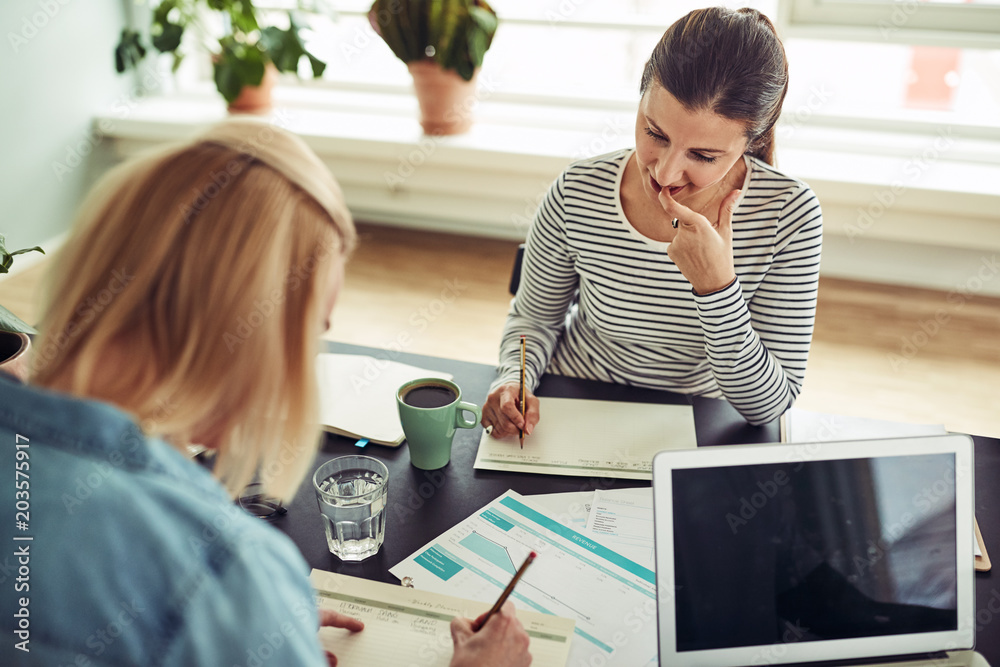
<point>825,20</point>
<point>898,21</point>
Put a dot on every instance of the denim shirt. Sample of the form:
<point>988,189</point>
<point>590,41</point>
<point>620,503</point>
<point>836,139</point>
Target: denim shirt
<point>136,555</point>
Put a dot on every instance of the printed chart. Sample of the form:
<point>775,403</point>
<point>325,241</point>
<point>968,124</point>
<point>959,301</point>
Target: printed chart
<point>611,598</point>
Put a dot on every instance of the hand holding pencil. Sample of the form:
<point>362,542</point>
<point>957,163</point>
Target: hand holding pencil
<point>502,411</point>
<point>501,643</point>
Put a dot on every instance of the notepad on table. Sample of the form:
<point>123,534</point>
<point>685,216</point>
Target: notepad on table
<point>806,426</point>
<point>592,439</point>
<point>358,395</point>
<point>409,626</point>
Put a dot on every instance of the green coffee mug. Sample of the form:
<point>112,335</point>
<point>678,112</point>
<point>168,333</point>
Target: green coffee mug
<point>430,409</point>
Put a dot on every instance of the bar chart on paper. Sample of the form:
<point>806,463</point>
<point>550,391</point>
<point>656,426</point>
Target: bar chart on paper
<point>612,599</point>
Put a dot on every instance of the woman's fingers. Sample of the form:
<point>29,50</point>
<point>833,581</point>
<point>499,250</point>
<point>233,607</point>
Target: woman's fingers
<point>531,414</point>
<point>726,208</point>
<point>333,619</point>
<point>502,411</point>
<point>674,209</point>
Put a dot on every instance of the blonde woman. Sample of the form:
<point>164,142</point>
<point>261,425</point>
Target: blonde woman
<point>185,308</point>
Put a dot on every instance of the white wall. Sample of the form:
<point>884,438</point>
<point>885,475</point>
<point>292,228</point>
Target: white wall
<point>57,70</point>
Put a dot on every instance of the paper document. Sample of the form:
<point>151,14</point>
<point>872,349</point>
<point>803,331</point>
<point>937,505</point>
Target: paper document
<point>805,426</point>
<point>612,599</point>
<point>624,519</point>
<point>592,439</point>
<point>570,509</point>
<point>982,559</point>
<point>357,395</point>
<point>405,626</point>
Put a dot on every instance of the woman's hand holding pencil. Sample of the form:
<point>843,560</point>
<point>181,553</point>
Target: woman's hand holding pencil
<point>499,627</point>
<point>502,411</point>
<point>502,642</point>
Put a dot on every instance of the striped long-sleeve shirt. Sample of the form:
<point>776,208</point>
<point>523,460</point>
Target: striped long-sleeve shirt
<point>598,300</point>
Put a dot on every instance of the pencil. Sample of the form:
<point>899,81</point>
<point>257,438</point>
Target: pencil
<point>506,592</point>
<point>521,430</point>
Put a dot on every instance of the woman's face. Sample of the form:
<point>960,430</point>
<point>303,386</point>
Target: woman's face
<point>684,151</point>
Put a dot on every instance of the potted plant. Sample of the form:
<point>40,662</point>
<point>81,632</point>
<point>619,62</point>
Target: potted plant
<point>245,61</point>
<point>14,341</point>
<point>443,43</point>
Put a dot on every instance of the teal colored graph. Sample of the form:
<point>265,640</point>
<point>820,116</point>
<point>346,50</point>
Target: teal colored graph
<point>489,550</point>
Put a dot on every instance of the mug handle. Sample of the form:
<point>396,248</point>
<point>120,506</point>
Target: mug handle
<point>461,408</point>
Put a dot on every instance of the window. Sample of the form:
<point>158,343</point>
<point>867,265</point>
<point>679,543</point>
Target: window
<point>967,23</point>
<point>582,54</point>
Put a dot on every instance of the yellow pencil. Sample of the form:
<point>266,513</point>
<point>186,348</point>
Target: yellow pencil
<point>521,430</point>
<point>506,592</point>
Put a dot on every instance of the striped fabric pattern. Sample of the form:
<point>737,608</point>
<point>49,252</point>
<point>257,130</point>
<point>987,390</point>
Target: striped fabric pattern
<point>599,301</point>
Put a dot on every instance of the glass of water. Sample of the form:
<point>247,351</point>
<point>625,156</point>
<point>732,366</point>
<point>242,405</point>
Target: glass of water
<point>352,491</point>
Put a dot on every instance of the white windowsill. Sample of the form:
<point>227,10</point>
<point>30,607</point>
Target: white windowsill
<point>939,196</point>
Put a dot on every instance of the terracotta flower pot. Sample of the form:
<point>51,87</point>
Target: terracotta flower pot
<point>14,354</point>
<point>446,99</point>
<point>257,99</point>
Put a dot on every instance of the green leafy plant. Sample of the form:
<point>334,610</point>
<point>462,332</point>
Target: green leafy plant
<point>454,33</point>
<point>8,320</point>
<point>241,55</point>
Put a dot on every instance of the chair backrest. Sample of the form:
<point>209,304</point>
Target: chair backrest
<point>515,274</point>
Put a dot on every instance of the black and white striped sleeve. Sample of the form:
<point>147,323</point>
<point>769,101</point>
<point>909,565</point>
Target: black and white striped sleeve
<point>757,351</point>
<point>548,286</point>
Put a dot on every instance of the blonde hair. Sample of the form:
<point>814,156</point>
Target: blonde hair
<point>201,272</point>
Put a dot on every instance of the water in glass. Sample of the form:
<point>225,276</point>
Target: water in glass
<point>353,507</point>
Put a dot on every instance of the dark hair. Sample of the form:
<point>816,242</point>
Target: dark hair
<point>729,61</point>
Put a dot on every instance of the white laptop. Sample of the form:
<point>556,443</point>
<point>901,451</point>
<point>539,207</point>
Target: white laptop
<point>809,553</point>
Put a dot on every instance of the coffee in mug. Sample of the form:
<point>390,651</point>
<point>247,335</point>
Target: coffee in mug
<point>429,396</point>
<point>430,410</point>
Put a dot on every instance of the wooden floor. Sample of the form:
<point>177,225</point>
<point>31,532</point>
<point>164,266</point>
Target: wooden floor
<point>886,352</point>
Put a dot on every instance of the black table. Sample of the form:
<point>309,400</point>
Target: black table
<point>424,504</point>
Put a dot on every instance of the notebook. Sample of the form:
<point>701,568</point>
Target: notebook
<point>777,554</point>
<point>357,395</point>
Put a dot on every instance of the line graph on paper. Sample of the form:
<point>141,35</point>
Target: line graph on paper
<point>499,555</point>
<point>611,598</point>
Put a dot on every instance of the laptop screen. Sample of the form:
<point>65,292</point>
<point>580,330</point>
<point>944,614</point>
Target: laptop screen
<point>783,553</point>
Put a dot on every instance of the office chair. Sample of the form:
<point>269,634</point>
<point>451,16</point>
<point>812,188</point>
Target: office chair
<point>515,274</point>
